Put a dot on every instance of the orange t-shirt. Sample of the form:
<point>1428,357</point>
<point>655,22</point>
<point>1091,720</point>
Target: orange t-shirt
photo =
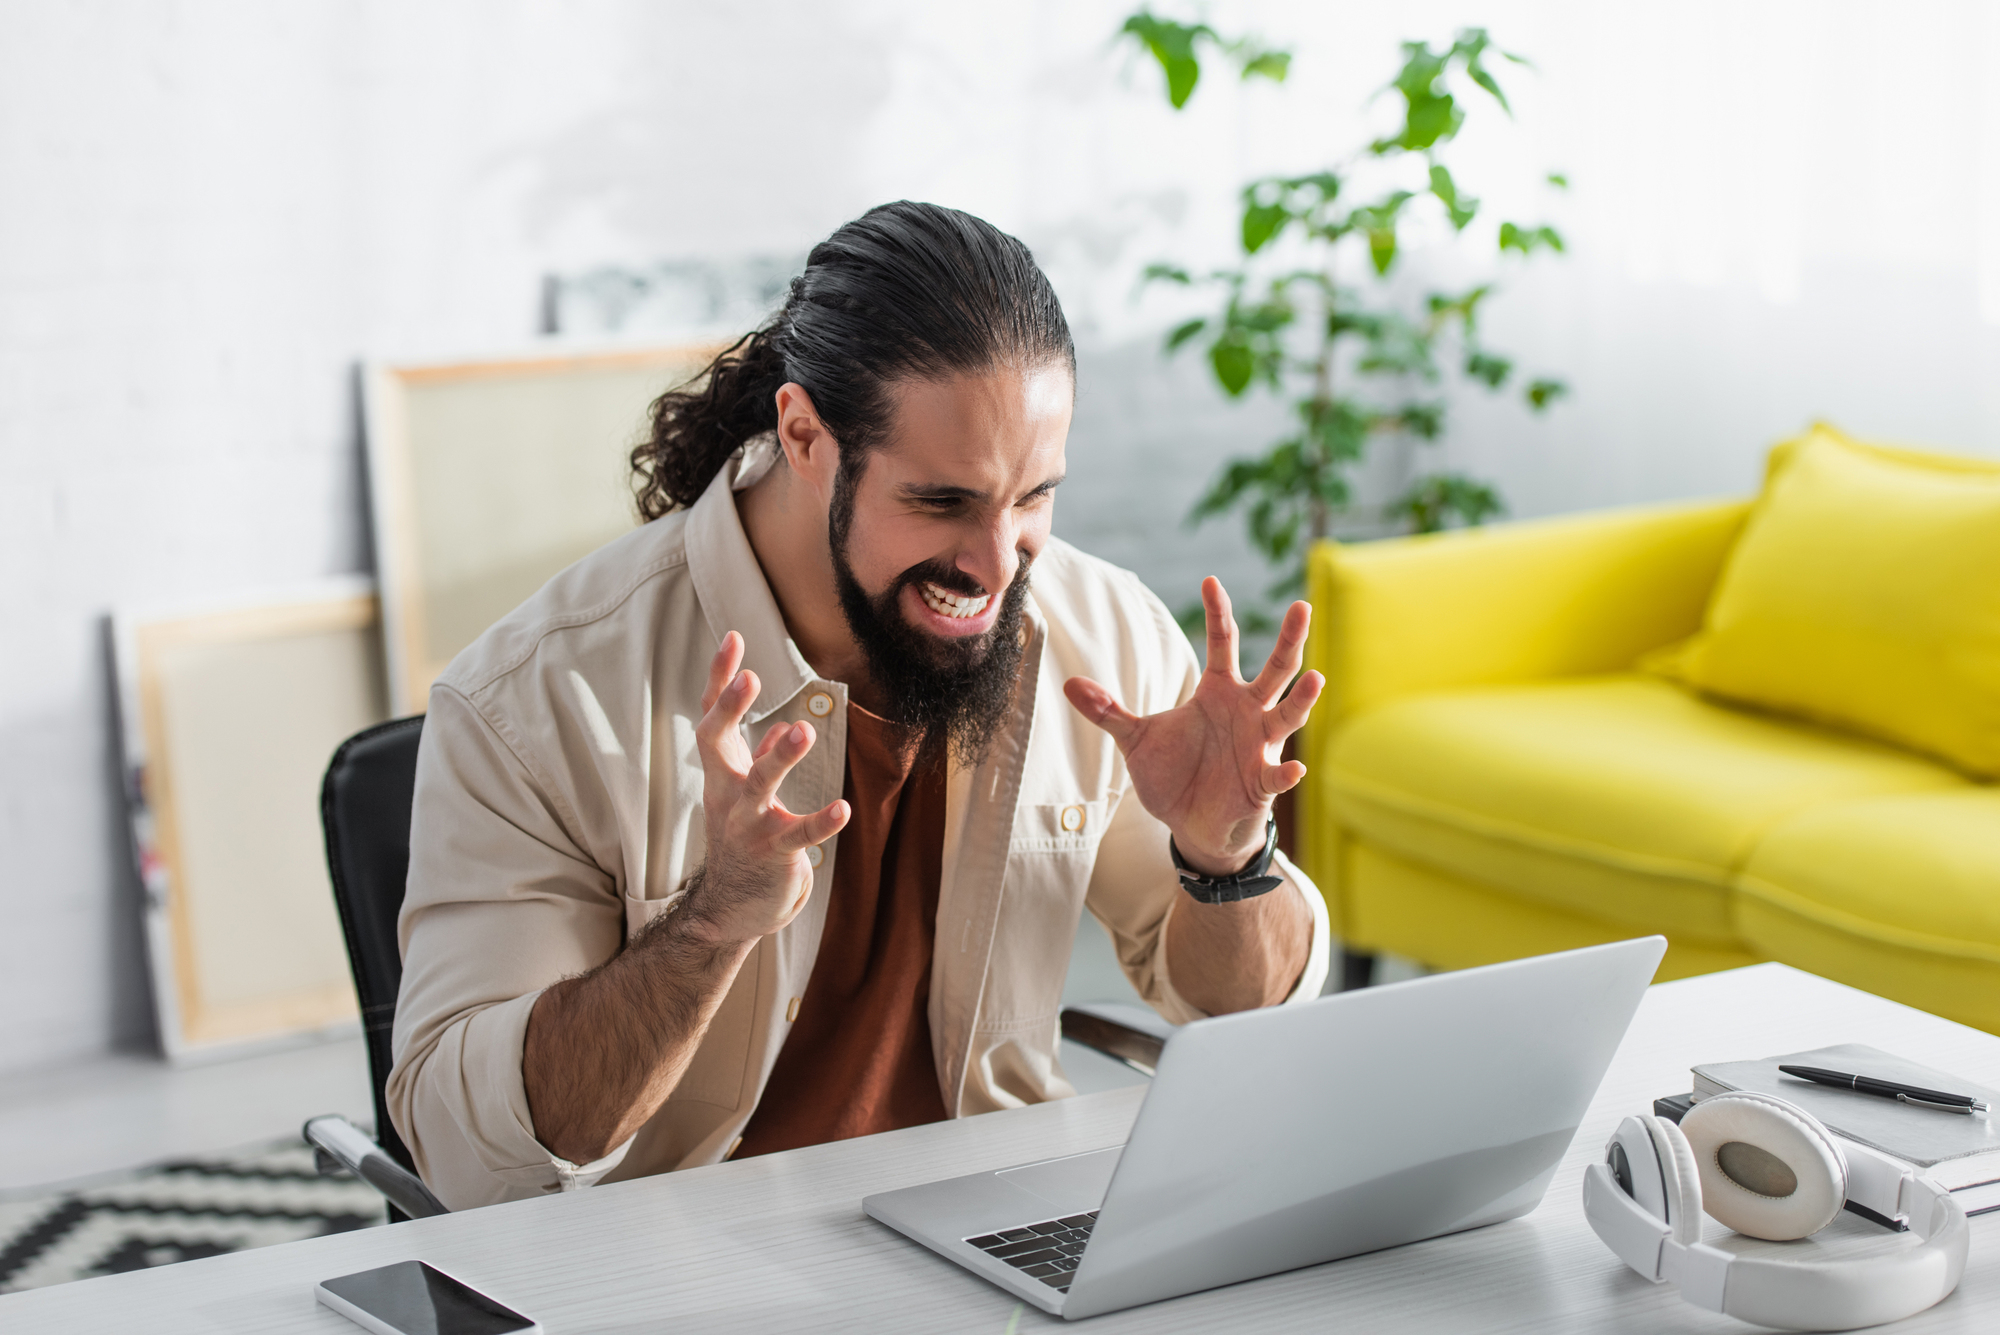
<point>858,1058</point>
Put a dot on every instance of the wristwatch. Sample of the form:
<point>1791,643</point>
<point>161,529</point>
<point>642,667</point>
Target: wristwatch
<point>1252,881</point>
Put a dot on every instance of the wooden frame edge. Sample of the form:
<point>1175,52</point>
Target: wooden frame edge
<point>188,1029</point>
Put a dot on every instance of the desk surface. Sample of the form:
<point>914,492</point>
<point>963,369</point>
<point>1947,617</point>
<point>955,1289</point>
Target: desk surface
<point>780,1244</point>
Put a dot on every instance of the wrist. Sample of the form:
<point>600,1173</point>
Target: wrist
<point>694,933</point>
<point>688,924</point>
<point>1223,857</point>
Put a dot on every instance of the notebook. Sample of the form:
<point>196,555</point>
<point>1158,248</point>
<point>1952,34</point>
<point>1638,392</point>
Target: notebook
<point>1955,1152</point>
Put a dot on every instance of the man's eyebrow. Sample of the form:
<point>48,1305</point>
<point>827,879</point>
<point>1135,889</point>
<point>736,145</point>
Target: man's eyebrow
<point>934,491</point>
<point>941,491</point>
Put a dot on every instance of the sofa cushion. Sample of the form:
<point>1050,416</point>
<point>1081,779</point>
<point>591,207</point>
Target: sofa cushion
<point>1627,799</point>
<point>1864,592</point>
<point>1898,895</point>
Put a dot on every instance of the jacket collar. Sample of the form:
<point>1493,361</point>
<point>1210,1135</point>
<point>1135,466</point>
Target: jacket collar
<point>730,583</point>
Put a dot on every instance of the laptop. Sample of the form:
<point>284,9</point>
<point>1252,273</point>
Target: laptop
<point>1281,1138</point>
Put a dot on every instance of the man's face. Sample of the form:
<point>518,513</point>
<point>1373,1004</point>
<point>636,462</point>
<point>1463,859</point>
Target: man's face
<point>933,533</point>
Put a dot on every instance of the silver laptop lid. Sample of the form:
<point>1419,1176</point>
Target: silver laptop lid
<point>1280,1138</point>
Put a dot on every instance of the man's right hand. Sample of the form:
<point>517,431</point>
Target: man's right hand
<point>756,878</point>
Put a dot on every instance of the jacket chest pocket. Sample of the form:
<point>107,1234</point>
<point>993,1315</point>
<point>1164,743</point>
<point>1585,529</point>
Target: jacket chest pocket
<point>1060,827</point>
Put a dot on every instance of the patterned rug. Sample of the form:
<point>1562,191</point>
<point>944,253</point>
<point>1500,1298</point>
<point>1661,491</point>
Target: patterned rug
<point>175,1211</point>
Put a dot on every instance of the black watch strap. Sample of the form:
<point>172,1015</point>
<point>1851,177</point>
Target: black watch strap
<point>1252,881</point>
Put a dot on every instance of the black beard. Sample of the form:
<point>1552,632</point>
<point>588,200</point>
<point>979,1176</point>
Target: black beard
<point>948,696</point>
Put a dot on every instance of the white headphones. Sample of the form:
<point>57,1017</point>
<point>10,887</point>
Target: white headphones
<point>1768,1168</point>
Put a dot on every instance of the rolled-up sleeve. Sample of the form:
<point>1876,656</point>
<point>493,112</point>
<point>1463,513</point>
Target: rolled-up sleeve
<point>501,903</point>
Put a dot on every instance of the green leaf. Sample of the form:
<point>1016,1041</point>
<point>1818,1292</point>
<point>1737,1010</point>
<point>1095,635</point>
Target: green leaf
<point>1379,222</point>
<point>1464,308</point>
<point>1430,119</point>
<point>1183,332</point>
<point>1234,366</point>
<point>1493,371</point>
<point>1339,428</point>
<point>1469,46</point>
<point>1486,81</point>
<point>1430,114</point>
<point>1558,180</point>
<point>1541,393</point>
<point>1382,247</point>
<point>1272,65</point>
<point>1261,222</point>
<point>1433,501</point>
<point>1172,44</point>
<point>1422,420</point>
<point>1166,273</point>
<point>1527,240</point>
<point>1325,184</point>
<point>1446,189</point>
<point>1422,68</point>
<point>1443,186</point>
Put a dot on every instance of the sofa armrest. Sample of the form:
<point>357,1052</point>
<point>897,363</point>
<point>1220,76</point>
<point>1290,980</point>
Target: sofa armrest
<point>1546,598</point>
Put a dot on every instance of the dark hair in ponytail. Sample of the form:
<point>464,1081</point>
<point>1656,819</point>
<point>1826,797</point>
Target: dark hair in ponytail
<point>904,291</point>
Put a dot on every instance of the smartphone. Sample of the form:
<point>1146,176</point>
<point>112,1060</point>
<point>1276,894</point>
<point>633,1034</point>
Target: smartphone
<point>416,1298</point>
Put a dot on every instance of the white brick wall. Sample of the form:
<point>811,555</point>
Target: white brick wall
<point>209,209</point>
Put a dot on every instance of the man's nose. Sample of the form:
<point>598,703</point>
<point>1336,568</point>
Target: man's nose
<point>995,556</point>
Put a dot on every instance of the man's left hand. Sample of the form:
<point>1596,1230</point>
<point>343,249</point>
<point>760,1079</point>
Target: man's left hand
<point>1209,769</point>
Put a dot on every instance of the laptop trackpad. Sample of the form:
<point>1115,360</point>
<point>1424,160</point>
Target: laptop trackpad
<point>1072,1184</point>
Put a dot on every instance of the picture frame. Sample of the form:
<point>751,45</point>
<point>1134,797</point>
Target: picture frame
<point>488,475</point>
<point>229,714</point>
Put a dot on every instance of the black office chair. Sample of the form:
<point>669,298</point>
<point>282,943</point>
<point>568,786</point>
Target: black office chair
<point>365,809</point>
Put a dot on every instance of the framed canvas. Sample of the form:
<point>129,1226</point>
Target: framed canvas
<point>229,715</point>
<point>487,476</point>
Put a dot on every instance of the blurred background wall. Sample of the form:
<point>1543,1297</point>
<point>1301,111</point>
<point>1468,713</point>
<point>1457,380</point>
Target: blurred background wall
<point>209,209</point>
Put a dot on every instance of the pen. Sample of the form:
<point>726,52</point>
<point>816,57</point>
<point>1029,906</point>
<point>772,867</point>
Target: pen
<point>1889,1089</point>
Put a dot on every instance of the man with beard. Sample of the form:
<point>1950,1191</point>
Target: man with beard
<point>636,939</point>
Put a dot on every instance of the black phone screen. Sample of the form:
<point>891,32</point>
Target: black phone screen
<point>418,1300</point>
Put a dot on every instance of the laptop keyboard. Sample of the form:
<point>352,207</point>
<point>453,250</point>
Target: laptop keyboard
<point>1049,1251</point>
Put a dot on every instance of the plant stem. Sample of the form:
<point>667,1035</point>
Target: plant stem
<point>1322,518</point>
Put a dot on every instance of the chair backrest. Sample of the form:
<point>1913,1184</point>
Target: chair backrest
<point>364,807</point>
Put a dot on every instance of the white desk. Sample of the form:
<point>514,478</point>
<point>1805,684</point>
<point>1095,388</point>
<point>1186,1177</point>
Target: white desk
<point>780,1244</point>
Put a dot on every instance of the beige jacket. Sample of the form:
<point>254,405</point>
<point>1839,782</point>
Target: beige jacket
<point>558,809</point>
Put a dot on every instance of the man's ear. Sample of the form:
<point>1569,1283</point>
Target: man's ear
<point>809,447</point>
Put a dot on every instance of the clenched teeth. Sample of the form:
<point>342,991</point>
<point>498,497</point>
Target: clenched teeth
<point>957,605</point>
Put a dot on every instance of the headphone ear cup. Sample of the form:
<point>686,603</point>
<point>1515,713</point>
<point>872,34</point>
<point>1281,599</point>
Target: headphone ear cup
<point>1681,1177</point>
<point>1768,1168</point>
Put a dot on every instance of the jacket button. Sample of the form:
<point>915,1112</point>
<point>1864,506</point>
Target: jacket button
<point>815,855</point>
<point>820,704</point>
<point>1072,819</point>
<point>792,1011</point>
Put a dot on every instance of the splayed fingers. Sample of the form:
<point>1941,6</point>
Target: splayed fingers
<point>1222,635</point>
<point>1210,766</point>
<point>1287,655</point>
<point>757,875</point>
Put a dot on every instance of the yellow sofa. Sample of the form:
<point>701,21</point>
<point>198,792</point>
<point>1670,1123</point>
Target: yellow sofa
<point>1491,773</point>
